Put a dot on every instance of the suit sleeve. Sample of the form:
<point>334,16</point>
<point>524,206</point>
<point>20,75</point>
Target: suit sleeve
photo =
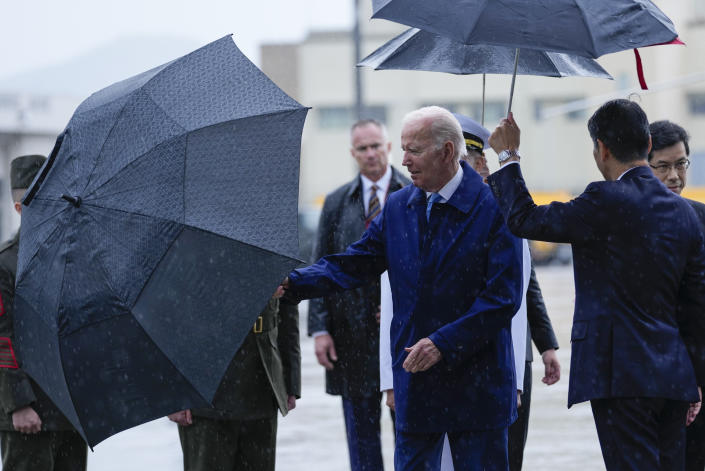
<point>539,323</point>
<point>289,346</point>
<point>317,309</point>
<point>15,388</point>
<point>361,263</point>
<point>494,307</point>
<point>580,220</point>
<point>691,308</point>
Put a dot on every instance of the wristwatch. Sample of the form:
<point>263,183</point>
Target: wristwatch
<point>508,154</point>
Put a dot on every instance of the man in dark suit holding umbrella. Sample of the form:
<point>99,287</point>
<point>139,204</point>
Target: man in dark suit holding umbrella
<point>639,260</point>
<point>668,160</point>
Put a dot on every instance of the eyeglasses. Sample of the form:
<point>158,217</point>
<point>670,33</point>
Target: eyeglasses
<point>663,169</point>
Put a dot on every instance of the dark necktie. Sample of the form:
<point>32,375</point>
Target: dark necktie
<point>373,207</point>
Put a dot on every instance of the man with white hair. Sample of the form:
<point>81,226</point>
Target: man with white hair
<point>455,274</point>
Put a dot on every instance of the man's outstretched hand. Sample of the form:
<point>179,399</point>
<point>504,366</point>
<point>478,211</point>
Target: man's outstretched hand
<point>422,356</point>
<point>281,289</point>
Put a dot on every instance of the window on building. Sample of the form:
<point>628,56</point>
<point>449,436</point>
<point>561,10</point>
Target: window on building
<point>39,103</point>
<point>542,104</point>
<point>334,117</point>
<point>453,107</point>
<point>699,8</point>
<point>696,103</point>
<point>9,101</point>
<point>375,112</point>
<point>494,110</point>
<point>342,117</point>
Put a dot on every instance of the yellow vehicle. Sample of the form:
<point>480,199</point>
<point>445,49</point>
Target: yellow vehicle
<point>696,193</point>
<point>547,252</point>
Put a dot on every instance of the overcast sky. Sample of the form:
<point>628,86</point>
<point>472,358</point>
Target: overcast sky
<point>39,33</point>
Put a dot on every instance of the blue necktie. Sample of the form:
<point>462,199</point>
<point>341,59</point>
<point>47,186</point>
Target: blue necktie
<point>434,198</point>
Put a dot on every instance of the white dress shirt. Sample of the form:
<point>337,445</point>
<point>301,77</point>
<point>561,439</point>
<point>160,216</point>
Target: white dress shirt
<point>449,188</point>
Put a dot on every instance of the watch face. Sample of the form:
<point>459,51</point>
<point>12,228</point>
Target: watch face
<point>507,154</point>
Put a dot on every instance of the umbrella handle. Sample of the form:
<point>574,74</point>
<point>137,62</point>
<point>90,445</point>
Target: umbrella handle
<point>39,178</point>
<point>514,77</point>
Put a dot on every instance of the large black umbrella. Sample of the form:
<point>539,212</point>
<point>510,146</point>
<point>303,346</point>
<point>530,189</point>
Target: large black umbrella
<point>589,28</point>
<point>416,49</point>
<point>163,221</point>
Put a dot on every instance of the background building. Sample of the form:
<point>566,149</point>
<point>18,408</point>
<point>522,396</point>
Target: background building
<point>319,72</point>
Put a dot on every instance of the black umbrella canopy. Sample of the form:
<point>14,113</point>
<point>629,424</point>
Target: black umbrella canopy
<point>163,221</point>
<point>416,49</point>
<point>588,28</point>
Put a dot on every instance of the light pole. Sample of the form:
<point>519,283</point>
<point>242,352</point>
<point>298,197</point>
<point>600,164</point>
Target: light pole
<point>358,78</point>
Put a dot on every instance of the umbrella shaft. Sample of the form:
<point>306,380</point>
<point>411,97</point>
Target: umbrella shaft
<point>484,79</point>
<point>514,77</point>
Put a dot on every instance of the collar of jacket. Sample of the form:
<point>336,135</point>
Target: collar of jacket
<point>638,171</point>
<point>395,183</point>
<point>464,197</point>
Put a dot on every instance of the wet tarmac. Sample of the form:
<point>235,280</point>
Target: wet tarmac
<point>312,437</point>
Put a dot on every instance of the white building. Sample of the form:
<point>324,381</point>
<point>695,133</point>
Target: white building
<point>29,124</point>
<point>319,72</point>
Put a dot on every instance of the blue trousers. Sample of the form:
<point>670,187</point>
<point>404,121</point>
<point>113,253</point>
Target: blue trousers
<point>471,451</point>
<point>640,433</point>
<point>362,424</point>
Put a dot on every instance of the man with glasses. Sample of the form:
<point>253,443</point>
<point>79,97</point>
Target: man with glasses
<point>668,160</point>
<point>669,154</point>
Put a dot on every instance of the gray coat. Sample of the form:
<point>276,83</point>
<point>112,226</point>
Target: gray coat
<point>349,316</point>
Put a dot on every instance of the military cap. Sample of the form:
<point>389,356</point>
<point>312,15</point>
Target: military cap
<point>23,170</point>
<point>475,134</point>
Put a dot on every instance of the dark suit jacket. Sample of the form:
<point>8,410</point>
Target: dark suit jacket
<point>18,390</point>
<point>265,370</point>
<point>699,209</point>
<point>539,329</point>
<point>350,316</point>
<point>456,280</point>
<point>639,265</point>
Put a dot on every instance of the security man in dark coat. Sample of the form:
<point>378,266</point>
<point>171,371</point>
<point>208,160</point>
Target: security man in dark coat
<point>345,325</point>
<point>240,432</point>
<point>34,435</point>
